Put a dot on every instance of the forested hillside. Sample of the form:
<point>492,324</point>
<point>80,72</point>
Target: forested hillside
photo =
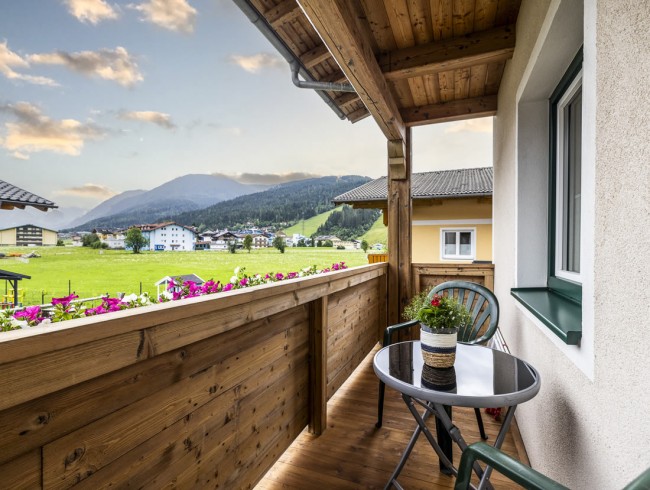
<point>279,206</point>
<point>349,223</point>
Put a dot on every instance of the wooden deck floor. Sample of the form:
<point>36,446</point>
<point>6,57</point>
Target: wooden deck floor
<point>353,454</point>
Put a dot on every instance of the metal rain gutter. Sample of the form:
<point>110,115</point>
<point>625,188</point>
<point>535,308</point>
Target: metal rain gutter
<point>296,65</point>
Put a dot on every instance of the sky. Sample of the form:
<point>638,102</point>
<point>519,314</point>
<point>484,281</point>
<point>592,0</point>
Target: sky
<point>101,97</point>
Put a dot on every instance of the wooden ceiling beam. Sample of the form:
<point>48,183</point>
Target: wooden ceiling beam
<point>346,99</point>
<point>336,77</point>
<point>283,12</point>
<point>454,110</point>
<point>351,46</point>
<point>358,115</point>
<point>477,48</point>
<point>315,56</point>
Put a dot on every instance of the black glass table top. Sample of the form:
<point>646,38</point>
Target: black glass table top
<point>481,377</point>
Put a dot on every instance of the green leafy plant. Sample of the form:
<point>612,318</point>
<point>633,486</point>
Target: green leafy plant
<point>437,313</point>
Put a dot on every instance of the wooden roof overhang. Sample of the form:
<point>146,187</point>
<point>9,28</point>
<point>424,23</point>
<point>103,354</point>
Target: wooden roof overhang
<point>411,62</point>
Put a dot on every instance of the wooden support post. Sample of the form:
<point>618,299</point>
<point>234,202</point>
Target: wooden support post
<point>318,365</point>
<point>399,229</point>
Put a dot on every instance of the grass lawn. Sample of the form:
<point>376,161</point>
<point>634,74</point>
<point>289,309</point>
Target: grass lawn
<point>378,233</point>
<point>309,226</point>
<point>94,272</point>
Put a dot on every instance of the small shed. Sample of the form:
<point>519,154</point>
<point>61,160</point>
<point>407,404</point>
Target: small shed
<point>12,278</point>
<point>183,277</point>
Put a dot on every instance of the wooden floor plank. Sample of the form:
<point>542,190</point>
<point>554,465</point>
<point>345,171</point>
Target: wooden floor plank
<point>353,453</point>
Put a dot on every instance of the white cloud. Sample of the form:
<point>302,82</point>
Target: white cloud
<point>93,11</point>
<point>256,62</point>
<point>10,60</point>
<point>267,179</point>
<point>481,125</point>
<point>116,65</point>
<point>92,191</point>
<point>34,132</point>
<point>175,15</point>
<point>20,156</point>
<point>160,118</point>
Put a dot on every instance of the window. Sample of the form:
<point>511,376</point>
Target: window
<point>566,183</point>
<point>457,244</point>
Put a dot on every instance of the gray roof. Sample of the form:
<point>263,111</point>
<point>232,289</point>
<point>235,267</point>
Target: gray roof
<point>12,196</point>
<point>427,185</point>
<point>182,277</point>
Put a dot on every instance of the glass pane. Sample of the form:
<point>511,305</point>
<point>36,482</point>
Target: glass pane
<point>572,185</point>
<point>465,243</point>
<point>450,243</point>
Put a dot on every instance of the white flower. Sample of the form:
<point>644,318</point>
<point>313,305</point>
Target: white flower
<point>166,295</point>
<point>45,321</point>
<point>236,271</point>
<point>131,298</point>
<point>19,323</point>
<point>234,279</point>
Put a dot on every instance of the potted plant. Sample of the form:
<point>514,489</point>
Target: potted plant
<point>440,318</point>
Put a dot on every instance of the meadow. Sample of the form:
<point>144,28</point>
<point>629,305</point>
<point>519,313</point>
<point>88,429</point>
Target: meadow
<point>90,273</point>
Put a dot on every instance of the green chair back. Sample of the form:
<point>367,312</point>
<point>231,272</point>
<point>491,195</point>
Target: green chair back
<point>480,302</point>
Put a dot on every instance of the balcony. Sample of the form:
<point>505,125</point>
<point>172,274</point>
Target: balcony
<point>210,392</point>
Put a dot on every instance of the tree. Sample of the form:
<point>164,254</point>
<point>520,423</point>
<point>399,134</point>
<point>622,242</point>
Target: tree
<point>328,243</point>
<point>248,243</point>
<point>364,246</point>
<point>89,239</point>
<point>232,246</point>
<point>278,243</point>
<point>135,240</point>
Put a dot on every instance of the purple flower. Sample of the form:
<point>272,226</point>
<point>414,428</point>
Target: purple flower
<point>227,287</point>
<point>30,314</point>
<point>65,301</point>
<point>291,275</point>
<point>279,276</point>
<point>243,281</point>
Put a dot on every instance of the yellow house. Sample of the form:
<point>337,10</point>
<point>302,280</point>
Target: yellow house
<point>27,235</point>
<point>452,213</point>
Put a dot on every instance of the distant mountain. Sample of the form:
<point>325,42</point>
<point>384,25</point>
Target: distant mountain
<point>54,219</point>
<point>114,205</point>
<point>186,193</point>
<point>280,205</point>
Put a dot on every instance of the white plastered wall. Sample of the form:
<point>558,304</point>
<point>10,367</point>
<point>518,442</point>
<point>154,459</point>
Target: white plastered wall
<point>589,427</point>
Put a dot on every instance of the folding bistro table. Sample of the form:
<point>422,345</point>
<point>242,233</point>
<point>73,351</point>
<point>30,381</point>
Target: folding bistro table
<point>481,378</point>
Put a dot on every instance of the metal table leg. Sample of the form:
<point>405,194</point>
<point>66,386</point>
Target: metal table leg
<point>421,428</point>
<point>442,446</point>
<point>455,434</point>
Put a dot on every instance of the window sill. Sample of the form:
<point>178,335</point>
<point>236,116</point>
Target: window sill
<point>561,315</point>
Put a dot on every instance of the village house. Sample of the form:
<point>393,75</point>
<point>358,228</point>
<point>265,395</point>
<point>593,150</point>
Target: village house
<point>452,213</point>
<point>27,236</point>
<point>168,237</point>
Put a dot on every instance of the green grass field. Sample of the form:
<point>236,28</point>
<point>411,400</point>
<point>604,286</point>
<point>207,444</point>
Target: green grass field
<point>309,226</point>
<point>377,233</point>
<point>93,272</point>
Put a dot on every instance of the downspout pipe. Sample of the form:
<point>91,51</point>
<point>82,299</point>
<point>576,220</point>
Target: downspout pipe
<point>296,66</point>
<point>316,85</point>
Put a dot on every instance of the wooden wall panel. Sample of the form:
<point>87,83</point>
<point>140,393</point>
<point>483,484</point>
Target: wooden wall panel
<point>426,276</point>
<point>23,472</point>
<point>350,312</point>
<point>205,392</point>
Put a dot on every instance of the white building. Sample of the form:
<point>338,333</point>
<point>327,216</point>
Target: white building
<point>169,237</point>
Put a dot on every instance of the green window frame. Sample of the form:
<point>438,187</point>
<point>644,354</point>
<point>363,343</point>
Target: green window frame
<point>564,213</point>
<point>559,304</point>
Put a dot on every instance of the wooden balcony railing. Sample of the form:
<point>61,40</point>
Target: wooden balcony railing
<point>202,392</point>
